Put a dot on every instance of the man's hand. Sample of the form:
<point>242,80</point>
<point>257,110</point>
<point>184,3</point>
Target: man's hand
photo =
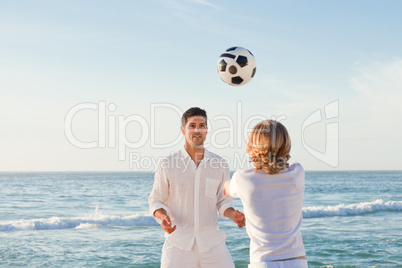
<point>166,223</point>
<point>239,219</point>
<point>236,216</point>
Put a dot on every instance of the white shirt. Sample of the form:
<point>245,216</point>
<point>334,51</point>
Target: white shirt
<point>192,197</point>
<point>273,209</point>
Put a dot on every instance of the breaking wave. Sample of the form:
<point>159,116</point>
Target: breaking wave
<point>97,219</point>
<point>351,209</point>
<point>77,222</point>
<point>93,220</point>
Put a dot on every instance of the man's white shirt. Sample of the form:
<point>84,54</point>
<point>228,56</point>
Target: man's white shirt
<point>192,196</point>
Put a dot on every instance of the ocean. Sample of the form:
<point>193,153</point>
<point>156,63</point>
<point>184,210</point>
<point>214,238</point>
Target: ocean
<point>351,219</point>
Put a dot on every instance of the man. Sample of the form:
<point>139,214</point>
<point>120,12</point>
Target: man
<point>186,198</point>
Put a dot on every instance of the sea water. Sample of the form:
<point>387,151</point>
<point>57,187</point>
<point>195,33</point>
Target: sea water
<point>351,219</point>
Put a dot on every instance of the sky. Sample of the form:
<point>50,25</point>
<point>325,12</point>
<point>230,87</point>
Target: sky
<point>101,85</point>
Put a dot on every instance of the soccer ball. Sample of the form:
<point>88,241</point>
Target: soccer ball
<point>236,66</point>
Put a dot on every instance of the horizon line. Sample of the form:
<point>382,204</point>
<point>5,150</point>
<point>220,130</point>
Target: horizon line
<point>133,171</point>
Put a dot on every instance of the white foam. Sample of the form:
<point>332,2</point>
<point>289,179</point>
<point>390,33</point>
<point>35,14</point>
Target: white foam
<point>77,222</point>
<point>86,225</point>
<point>96,218</point>
<point>351,209</point>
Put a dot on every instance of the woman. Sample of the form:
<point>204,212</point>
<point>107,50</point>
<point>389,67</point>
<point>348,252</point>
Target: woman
<point>272,195</point>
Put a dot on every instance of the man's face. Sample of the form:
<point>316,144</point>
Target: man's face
<point>195,131</point>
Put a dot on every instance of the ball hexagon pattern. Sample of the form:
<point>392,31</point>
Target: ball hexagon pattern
<point>236,66</point>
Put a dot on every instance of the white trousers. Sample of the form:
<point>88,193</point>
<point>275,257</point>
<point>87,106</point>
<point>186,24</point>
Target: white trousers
<point>217,257</point>
<point>298,263</point>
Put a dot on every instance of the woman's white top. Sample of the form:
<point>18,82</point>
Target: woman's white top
<point>273,209</point>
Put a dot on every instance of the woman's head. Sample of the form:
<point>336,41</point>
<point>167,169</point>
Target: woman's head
<point>269,146</point>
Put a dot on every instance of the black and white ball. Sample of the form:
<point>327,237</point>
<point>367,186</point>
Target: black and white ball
<point>236,66</point>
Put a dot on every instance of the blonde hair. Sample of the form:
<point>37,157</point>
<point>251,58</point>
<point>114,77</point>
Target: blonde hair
<point>269,146</point>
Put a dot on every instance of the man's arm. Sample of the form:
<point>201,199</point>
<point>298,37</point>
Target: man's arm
<point>224,202</point>
<point>226,189</point>
<point>158,198</point>
<point>166,223</point>
<point>236,216</point>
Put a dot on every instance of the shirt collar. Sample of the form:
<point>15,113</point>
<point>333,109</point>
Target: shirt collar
<point>185,155</point>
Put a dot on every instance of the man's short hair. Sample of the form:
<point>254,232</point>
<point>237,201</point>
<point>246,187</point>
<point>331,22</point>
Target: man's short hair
<point>194,111</point>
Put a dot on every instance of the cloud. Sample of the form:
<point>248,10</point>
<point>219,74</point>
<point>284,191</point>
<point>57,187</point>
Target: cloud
<point>379,89</point>
<point>188,6</point>
<point>378,78</point>
<point>369,122</point>
<point>206,3</point>
<point>369,115</point>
